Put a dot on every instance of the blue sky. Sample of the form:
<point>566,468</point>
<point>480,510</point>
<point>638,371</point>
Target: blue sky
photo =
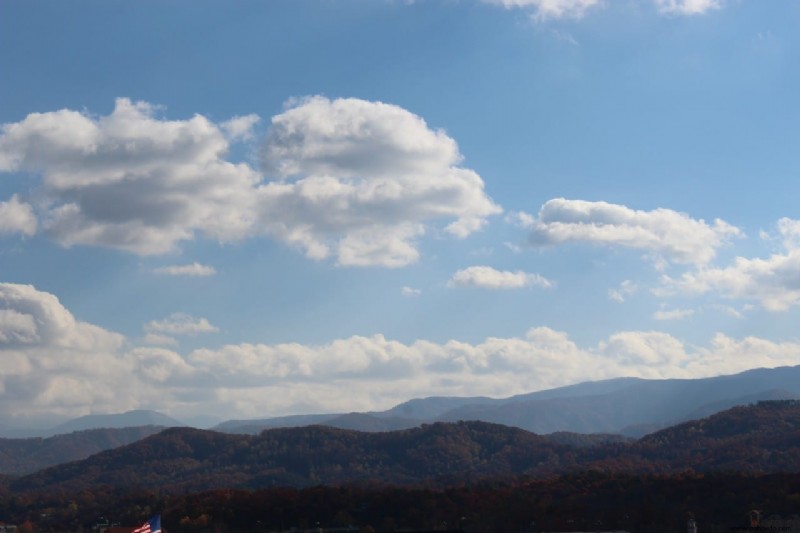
<point>244,209</point>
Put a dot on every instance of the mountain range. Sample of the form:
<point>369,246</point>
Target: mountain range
<point>760,438</point>
<point>627,406</point>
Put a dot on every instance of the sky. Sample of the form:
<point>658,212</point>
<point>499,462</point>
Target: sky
<point>257,208</point>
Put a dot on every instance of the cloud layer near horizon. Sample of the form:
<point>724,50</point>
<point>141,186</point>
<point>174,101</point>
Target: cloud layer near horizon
<point>355,179</point>
<point>52,362</point>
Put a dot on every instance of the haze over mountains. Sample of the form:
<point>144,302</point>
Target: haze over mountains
<point>762,438</point>
<point>129,419</point>
<point>627,406</point>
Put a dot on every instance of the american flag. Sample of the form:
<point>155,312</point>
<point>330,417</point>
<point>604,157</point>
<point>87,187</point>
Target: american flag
<point>151,526</point>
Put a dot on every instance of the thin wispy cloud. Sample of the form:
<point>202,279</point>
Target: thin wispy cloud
<point>181,324</point>
<point>192,270</point>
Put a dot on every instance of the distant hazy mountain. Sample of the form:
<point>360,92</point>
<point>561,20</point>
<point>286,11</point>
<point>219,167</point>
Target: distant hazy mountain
<point>255,426</point>
<point>371,422</point>
<point>629,406</point>
<point>121,420</point>
<point>24,456</point>
<point>757,438</point>
<point>432,407</point>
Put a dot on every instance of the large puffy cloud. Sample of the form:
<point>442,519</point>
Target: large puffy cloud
<point>774,282</point>
<point>360,180</point>
<point>130,180</point>
<point>52,362</point>
<point>17,217</point>
<point>671,235</point>
<point>490,278</point>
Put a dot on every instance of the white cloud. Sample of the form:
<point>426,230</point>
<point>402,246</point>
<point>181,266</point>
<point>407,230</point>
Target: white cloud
<point>557,9</point>
<point>194,269</point>
<point>626,288</point>
<point>550,9</point>
<point>789,231</point>
<point>240,127</point>
<point>17,217</point>
<point>652,349</point>
<point>673,314</point>
<point>487,277</point>
<point>773,282</point>
<point>378,372</point>
<point>130,180</point>
<point>159,340</point>
<point>669,234</point>
<point>686,7</point>
<point>181,324</point>
<point>360,180</point>
<point>410,292</point>
<point>52,363</point>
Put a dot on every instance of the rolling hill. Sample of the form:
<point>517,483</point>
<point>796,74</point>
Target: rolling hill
<point>757,438</point>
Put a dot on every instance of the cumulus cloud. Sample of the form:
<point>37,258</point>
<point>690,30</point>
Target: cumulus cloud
<point>240,127</point>
<point>361,179</point>
<point>686,7</point>
<point>17,217</point>
<point>774,282</point>
<point>789,230</point>
<point>671,235</point>
<point>358,180</point>
<point>130,180</point>
<point>487,277</point>
<point>194,269</point>
<point>181,324</point>
<point>50,362</point>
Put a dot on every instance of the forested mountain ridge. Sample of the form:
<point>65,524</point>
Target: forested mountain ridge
<point>182,458</point>
<point>760,438</point>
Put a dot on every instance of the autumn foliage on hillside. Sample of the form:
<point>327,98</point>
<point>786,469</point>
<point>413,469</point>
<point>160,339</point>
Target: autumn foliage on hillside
<point>472,475</point>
